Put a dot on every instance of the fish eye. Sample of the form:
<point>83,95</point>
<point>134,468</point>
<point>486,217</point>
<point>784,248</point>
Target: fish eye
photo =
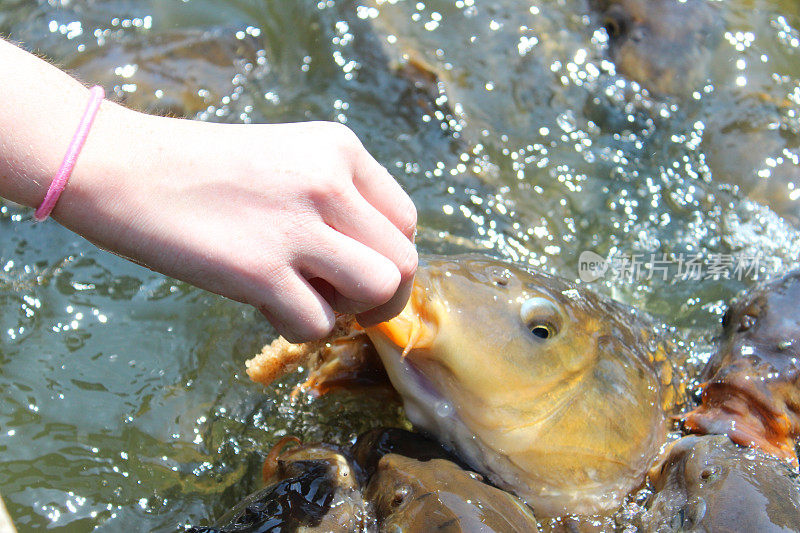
<point>541,317</point>
<point>399,496</point>
<point>616,22</point>
<point>542,331</point>
<point>726,318</point>
<point>708,474</point>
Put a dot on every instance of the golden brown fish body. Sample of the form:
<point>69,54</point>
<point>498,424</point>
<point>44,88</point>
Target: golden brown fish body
<point>752,383</point>
<point>710,484</point>
<point>665,45</point>
<point>548,390</point>
<point>414,496</point>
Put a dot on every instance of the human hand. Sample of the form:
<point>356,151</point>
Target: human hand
<point>296,219</point>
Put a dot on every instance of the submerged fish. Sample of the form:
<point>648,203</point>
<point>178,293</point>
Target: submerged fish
<point>665,45</point>
<point>312,488</point>
<point>371,446</point>
<point>400,482</point>
<point>675,48</point>
<point>437,495</point>
<point>179,71</point>
<point>415,485</point>
<point>752,383</point>
<point>552,392</point>
<point>710,484</point>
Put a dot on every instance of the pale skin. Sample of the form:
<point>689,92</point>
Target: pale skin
<point>297,220</point>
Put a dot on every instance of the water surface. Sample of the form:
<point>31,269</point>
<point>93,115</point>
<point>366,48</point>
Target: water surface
<point>123,401</point>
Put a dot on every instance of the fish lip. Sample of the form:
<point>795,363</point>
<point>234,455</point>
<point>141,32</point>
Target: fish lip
<point>417,325</point>
<point>715,411</point>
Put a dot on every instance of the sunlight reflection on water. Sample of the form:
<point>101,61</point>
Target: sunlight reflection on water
<point>510,124</point>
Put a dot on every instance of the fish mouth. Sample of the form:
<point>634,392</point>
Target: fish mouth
<point>425,387</point>
<point>415,327</point>
<point>419,390</point>
<point>746,417</point>
<point>404,342</point>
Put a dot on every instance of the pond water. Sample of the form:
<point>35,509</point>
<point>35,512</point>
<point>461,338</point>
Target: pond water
<point>517,128</point>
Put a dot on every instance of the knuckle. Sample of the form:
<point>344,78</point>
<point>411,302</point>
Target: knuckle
<point>333,190</point>
<point>342,136</point>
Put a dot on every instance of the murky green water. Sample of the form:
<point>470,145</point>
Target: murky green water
<point>123,401</point>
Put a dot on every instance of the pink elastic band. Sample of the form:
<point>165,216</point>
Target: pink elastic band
<point>65,170</point>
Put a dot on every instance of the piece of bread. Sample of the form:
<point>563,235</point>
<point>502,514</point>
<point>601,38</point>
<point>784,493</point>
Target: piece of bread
<point>281,357</point>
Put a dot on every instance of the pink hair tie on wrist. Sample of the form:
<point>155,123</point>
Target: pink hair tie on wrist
<point>68,164</point>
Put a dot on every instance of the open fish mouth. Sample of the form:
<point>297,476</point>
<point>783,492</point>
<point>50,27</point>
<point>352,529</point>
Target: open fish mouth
<point>424,386</point>
<point>404,343</point>
<point>415,327</point>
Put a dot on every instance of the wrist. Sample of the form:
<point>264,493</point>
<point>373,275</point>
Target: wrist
<point>105,171</point>
<point>136,172</point>
<point>61,178</point>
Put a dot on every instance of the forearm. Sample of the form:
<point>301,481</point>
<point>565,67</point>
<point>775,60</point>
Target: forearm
<point>39,111</point>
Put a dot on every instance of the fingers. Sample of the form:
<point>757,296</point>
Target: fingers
<point>361,260</point>
<point>359,277</point>
<point>353,216</point>
<point>356,218</point>
<point>385,195</point>
<point>296,310</point>
<point>380,189</point>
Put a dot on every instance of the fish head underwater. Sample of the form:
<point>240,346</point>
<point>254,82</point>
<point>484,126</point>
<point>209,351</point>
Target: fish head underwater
<point>708,483</point>
<point>665,45</point>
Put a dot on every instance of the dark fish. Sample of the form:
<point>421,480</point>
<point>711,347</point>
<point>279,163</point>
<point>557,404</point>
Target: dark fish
<point>315,490</point>
<point>371,446</point>
<point>710,484</point>
<point>665,45</point>
<point>752,383</point>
